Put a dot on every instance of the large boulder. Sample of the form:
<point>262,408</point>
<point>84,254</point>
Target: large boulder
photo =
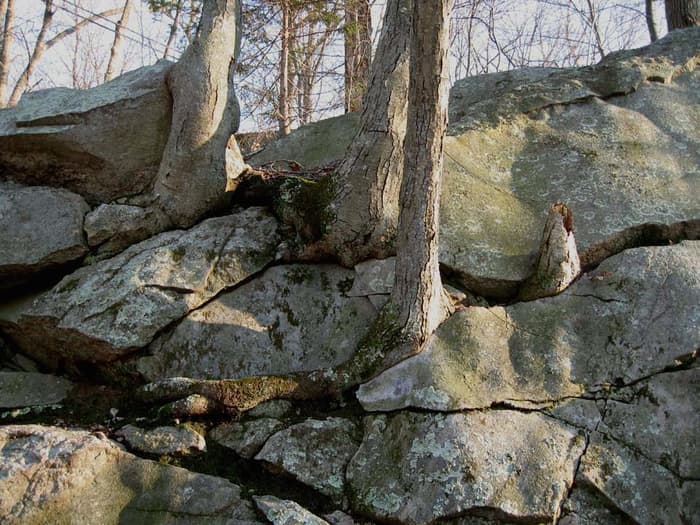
<point>107,310</point>
<point>618,142</point>
<point>40,229</point>
<point>292,318</point>
<point>103,143</point>
<point>635,316</point>
<point>52,475</point>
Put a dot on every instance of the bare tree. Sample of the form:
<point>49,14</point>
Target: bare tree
<point>285,82</point>
<point>358,51</point>
<point>115,51</point>
<point>7,13</point>
<point>682,13</point>
<point>651,24</point>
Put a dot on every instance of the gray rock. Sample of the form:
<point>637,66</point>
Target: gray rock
<point>102,143</point>
<point>587,506</point>
<point>314,452</point>
<point>246,437</point>
<point>106,311</point>
<point>276,408</point>
<point>373,277</point>
<point>40,228</point>
<point>290,319</point>
<point>644,491</point>
<point>113,227</point>
<point>25,389</point>
<point>162,440</point>
<point>635,315</point>
<point>286,512</point>
<point>417,468</point>
<point>51,475</point>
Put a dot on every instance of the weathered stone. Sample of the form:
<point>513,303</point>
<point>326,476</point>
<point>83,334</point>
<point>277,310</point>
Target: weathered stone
<point>112,227</point>
<point>373,277</point>
<point>51,475</point>
<point>247,437</point>
<point>106,311</point>
<point>103,143</point>
<point>633,316</point>
<point>276,408</point>
<point>417,468</point>
<point>644,491</point>
<point>292,318</point>
<point>40,228</point>
<point>286,512</point>
<point>162,440</point>
<point>314,452</point>
<point>24,389</point>
<point>587,506</point>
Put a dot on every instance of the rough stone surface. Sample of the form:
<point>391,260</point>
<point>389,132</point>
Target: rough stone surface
<point>418,468</point>
<point>107,310</point>
<point>635,315</point>
<point>51,475</point>
<point>286,512</point>
<point>314,452</point>
<point>373,277</point>
<point>25,389</point>
<point>247,437</point>
<point>292,318</point>
<point>276,408</point>
<point>162,440</point>
<point>113,227</point>
<point>40,228</point>
<point>102,143</point>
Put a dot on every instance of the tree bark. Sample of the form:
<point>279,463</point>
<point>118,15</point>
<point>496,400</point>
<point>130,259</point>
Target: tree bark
<point>363,214</point>
<point>418,294</point>
<point>284,119</point>
<point>7,11</point>
<point>358,51</point>
<point>173,30</point>
<point>115,51</point>
<point>201,155</point>
<point>682,13</point>
<point>651,24</point>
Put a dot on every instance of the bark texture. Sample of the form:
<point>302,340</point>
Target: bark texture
<point>558,263</point>
<point>201,156</point>
<point>358,51</point>
<point>7,13</point>
<point>284,102</point>
<point>115,52</point>
<point>682,13</point>
<point>418,293</point>
<point>365,208</point>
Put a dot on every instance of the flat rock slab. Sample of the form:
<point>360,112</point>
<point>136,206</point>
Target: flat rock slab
<point>286,512</point>
<point>162,440</point>
<point>417,468</point>
<point>635,315</point>
<point>52,475</point>
<point>29,389</point>
<point>40,228</point>
<point>315,452</point>
<point>103,143</point>
<point>246,438</point>
<point>292,318</point>
<point>106,311</point>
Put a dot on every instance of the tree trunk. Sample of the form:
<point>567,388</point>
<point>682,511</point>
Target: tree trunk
<point>173,30</point>
<point>7,11</point>
<point>651,25</point>
<point>200,152</point>
<point>115,51</point>
<point>682,13</point>
<point>358,51</point>
<point>364,211</point>
<point>284,92</point>
<point>418,294</point>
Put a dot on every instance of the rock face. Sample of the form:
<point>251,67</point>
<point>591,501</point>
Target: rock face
<point>107,310</point>
<point>634,316</point>
<point>162,440</point>
<point>50,475</point>
<point>40,228</point>
<point>102,143</point>
<point>418,468</point>
<point>30,389</point>
<point>247,437</point>
<point>285,512</point>
<point>292,318</point>
<point>315,452</point>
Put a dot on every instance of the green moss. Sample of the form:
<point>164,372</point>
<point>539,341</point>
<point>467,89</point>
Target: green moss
<point>345,285</point>
<point>275,335</point>
<point>299,274</point>
<point>178,253</point>
<point>305,205</point>
<point>69,286</point>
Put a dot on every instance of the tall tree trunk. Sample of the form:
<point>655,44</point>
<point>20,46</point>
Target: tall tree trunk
<point>651,24</point>
<point>363,214</point>
<point>115,51</point>
<point>284,109</point>
<point>682,13</point>
<point>7,11</point>
<point>173,30</point>
<point>201,151</point>
<point>418,293</point>
<point>358,51</point>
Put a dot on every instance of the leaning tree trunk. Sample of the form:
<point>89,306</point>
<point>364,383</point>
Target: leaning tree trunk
<point>115,51</point>
<point>421,301</point>
<point>201,154</point>
<point>7,11</point>
<point>365,208</point>
<point>682,13</point>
